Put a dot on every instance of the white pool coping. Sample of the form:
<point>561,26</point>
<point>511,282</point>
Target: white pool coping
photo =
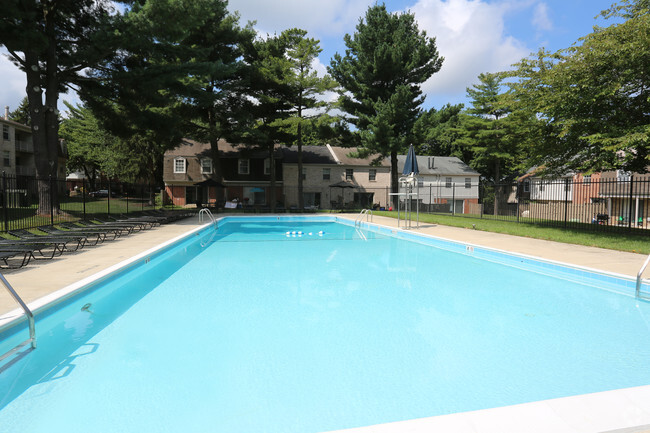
<point>627,408</point>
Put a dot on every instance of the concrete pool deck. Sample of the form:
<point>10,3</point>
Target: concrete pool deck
<point>620,411</point>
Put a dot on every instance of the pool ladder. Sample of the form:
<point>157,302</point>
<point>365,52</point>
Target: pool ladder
<point>206,212</point>
<point>359,218</point>
<point>30,318</point>
<point>639,281</point>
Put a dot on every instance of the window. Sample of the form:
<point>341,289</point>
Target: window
<point>267,166</point>
<point>179,165</point>
<point>420,183</point>
<point>6,158</point>
<point>448,182</point>
<point>5,132</point>
<point>586,180</point>
<point>243,166</point>
<point>326,174</point>
<point>304,173</point>
<point>526,186</point>
<point>468,182</point>
<point>206,166</point>
<point>372,174</point>
<point>349,174</point>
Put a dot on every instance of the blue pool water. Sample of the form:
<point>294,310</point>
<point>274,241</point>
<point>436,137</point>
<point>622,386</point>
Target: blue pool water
<point>254,328</point>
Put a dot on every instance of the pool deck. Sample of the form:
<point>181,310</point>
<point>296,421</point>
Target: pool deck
<point>618,411</point>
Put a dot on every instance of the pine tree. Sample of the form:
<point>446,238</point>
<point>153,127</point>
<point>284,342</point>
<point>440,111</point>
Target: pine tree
<point>21,114</point>
<point>386,61</point>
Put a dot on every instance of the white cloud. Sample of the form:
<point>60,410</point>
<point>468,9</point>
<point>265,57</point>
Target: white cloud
<point>541,19</point>
<point>320,17</point>
<point>470,35</point>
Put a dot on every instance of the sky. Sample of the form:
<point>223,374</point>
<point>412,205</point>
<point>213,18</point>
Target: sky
<point>473,36</point>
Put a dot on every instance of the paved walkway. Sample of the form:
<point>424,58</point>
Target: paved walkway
<point>626,409</point>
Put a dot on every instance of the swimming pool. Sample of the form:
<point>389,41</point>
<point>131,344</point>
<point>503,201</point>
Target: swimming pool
<point>251,329</point>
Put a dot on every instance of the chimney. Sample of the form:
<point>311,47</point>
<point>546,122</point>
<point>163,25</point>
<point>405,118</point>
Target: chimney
<point>431,163</point>
<point>6,112</point>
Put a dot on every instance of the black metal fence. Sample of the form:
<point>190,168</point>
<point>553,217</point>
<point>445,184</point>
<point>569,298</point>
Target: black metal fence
<point>28,202</point>
<point>600,204</point>
<point>603,204</point>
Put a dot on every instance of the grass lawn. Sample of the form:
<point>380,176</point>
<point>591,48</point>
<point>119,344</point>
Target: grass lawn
<point>636,243</point>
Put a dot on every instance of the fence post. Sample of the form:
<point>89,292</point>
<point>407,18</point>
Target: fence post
<point>83,196</point>
<point>566,201</point>
<point>5,211</point>
<point>51,202</point>
<point>453,199</point>
<point>629,218</point>
<point>517,198</point>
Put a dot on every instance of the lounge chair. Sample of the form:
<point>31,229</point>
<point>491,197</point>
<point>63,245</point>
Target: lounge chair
<point>120,229</point>
<point>140,225</point>
<point>21,256</point>
<point>154,220</point>
<point>114,232</point>
<point>45,249</point>
<point>70,243</point>
<point>92,238</point>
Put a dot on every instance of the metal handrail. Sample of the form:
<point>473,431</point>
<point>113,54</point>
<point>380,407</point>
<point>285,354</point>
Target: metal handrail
<point>30,320</point>
<point>638,276</point>
<point>206,211</point>
<point>367,213</point>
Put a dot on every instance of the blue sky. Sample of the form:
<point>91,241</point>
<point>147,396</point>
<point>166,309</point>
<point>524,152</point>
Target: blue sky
<point>474,36</point>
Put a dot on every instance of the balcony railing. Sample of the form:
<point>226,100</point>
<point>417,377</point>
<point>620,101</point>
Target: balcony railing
<point>24,146</point>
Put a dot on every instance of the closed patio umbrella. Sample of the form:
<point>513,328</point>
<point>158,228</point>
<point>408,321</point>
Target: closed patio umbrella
<point>411,163</point>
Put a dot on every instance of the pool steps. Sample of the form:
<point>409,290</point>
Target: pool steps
<point>30,318</point>
<point>639,281</point>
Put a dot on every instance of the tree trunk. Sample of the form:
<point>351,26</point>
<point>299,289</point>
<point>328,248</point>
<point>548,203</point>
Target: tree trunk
<point>301,199</point>
<point>394,178</point>
<point>39,130</point>
<point>214,146</point>
<point>272,197</point>
<point>497,180</point>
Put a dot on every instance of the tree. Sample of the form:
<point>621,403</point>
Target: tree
<point>21,114</point>
<point>173,78</point>
<point>484,131</point>
<point>490,131</point>
<point>306,87</point>
<point>212,92</point>
<point>89,145</point>
<point>592,98</point>
<point>436,133</point>
<point>386,61</point>
<point>267,106</point>
<point>53,42</point>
